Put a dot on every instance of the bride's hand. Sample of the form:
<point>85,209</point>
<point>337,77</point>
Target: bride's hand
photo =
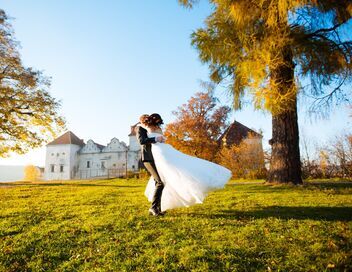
<point>160,139</point>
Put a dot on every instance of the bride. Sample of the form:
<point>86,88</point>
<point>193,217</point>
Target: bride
<point>187,179</point>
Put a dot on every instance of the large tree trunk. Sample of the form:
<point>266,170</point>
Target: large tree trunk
<point>285,166</point>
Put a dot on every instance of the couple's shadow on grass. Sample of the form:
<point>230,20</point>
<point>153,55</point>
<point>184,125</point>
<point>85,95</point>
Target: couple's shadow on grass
<point>284,212</point>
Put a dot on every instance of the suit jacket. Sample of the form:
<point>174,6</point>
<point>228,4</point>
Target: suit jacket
<point>145,143</point>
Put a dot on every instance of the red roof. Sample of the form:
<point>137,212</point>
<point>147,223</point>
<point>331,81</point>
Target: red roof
<point>235,133</point>
<point>67,138</point>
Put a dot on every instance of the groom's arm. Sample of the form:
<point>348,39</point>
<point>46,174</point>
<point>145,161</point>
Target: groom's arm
<point>142,137</point>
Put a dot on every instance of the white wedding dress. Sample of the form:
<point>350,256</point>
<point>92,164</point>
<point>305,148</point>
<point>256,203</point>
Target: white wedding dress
<point>187,179</point>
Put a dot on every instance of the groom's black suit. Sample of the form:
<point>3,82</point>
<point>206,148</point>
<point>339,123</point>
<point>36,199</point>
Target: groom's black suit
<point>148,161</point>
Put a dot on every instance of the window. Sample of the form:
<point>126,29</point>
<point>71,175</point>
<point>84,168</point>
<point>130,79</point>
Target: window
<point>88,164</point>
<point>52,168</point>
<point>57,154</point>
<point>52,154</point>
<point>103,165</point>
<point>61,168</point>
<point>133,166</point>
<point>63,153</point>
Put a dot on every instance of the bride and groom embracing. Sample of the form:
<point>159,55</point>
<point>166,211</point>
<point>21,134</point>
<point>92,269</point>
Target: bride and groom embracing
<point>177,179</point>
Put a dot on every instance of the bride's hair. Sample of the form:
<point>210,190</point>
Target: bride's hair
<point>155,120</point>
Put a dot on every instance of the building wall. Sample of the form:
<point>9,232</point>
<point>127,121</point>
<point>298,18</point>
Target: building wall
<point>134,154</point>
<point>97,164</point>
<point>256,150</point>
<point>133,143</point>
<point>94,164</point>
<point>133,160</point>
<point>57,156</point>
<point>254,141</point>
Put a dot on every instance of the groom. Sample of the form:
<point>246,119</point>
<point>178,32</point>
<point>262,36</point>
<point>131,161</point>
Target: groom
<point>148,161</point>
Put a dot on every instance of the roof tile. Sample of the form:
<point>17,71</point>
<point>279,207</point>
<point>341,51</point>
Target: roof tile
<point>67,138</point>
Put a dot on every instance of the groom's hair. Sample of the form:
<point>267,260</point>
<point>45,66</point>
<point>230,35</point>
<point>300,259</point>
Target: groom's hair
<point>144,119</point>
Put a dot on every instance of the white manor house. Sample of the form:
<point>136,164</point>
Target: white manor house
<point>68,157</point>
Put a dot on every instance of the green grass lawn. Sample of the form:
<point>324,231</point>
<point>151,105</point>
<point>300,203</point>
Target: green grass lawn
<point>104,226</point>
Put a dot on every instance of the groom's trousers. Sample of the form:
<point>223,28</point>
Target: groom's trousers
<point>159,185</point>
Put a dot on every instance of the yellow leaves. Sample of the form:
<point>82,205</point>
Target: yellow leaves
<point>187,3</point>
<point>349,8</point>
<point>276,13</point>
<point>273,13</point>
<point>31,173</point>
<point>248,39</point>
<point>273,98</point>
<point>238,16</point>
<point>330,265</point>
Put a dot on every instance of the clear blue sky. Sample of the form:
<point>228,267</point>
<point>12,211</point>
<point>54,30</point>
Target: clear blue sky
<point>111,61</point>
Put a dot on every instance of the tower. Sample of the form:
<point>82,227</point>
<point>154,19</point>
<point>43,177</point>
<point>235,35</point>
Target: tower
<point>133,143</point>
<point>61,157</point>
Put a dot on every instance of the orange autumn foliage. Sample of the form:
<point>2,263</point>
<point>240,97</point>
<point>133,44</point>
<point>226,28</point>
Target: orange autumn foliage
<point>199,124</point>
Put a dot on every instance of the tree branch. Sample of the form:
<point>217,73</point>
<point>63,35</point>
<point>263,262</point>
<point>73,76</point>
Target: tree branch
<point>315,33</point>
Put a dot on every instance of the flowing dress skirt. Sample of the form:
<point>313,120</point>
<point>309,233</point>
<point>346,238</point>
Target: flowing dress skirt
<point>187,179</point>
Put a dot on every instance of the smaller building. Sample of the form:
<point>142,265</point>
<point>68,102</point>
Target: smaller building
<point>237,132</point>
<point>251,154</point>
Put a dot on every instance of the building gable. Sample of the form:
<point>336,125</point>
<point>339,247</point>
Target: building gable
<point>115,146</point>
<point>92,147</point>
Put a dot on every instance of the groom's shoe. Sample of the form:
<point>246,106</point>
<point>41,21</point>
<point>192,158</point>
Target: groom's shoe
<point>161,212</point>
<point>154,212</point>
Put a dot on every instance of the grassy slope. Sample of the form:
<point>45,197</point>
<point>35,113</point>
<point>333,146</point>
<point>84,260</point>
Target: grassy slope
<point>104,226</point>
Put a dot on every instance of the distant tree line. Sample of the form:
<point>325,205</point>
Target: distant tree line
<point>333,160</point>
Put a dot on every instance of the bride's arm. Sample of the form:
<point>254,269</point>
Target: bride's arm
<point>162,133</point>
